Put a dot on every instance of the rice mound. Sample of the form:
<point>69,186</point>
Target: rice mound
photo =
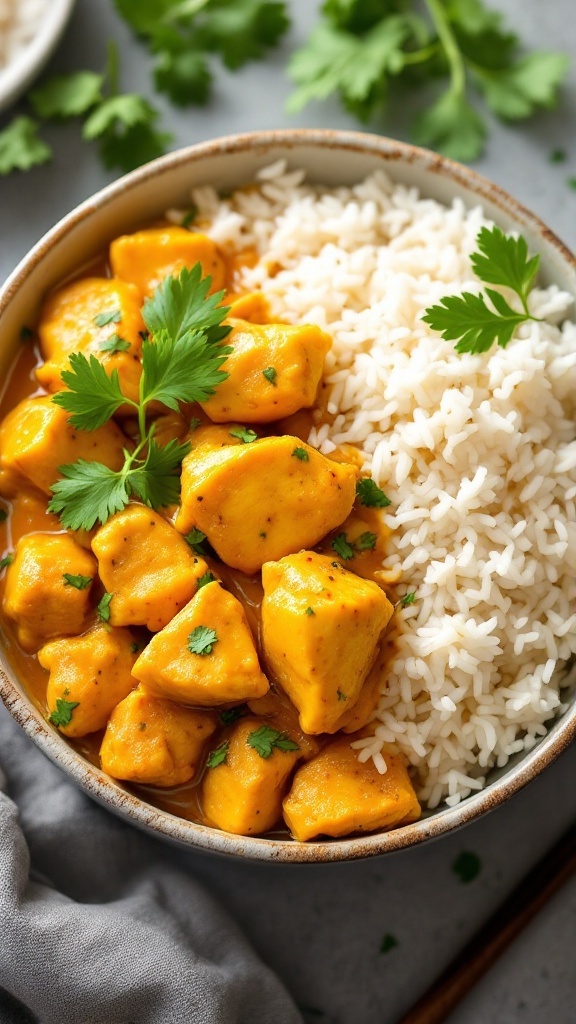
<point>477,454</point>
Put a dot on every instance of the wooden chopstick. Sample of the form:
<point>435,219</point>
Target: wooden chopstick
<point>549,875</point>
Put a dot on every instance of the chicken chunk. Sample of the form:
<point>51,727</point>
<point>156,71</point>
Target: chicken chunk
<point>147,566</point>
<point>96,316</point>
<point>154,742</point>
<point>147,257</point>
<point>333,795</point>
<point>273,370</point>
<point>337,618</point>
<point>205,655</point>
<point>243,792</point>
<point>36,439</point>
<point>251,306</point>
<point>46,590</point>
<point>259,501</point>
<point>93,671</point>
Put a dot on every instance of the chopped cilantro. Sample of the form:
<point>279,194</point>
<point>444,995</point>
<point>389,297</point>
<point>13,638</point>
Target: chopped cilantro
<point>244,434</point>
<point>189,217</point>
<point>341,696</point>
<point>112,316</point>
<point>467,866</point>
<point>201,640</point>
<point>7,560</point>
<point>408,599</point>
<point>366,542</point>
<point>341,546</point>
<point>302,454</point>
<point>194,424</point>
<point>218,755</point>
<point>265,739</point>
<point>230,715</point>
<point>388,943</point>
<point>20,147</point>
<point>369,494</point>
<point>134,647</point>
<point>196,541</point>
<point>208,577</point>
<point>270,375</point>
<point>115,344</point>
<point>62,714</point>
<point>309,611</point>
<point>103,608</point>
<point>80,582</point>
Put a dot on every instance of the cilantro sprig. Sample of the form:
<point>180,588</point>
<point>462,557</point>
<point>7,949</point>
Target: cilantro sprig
<point>361,50</point>
<point>180,363</point>
<point>265,739</point>
<point>468,319</point>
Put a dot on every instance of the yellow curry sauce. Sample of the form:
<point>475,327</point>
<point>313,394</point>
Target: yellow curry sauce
<point>309,764</point>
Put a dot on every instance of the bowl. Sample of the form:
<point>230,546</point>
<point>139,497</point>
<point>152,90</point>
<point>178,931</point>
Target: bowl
<point>16,76</point>
<point>333,158</point>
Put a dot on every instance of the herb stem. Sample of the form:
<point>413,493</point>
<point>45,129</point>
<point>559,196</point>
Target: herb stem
<point>450,46</point>
<point>113,69</point>
<point>419,56</point>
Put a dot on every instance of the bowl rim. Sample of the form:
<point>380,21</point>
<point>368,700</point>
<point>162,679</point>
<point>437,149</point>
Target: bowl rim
<point>91,779</point>
<point>19,73</point>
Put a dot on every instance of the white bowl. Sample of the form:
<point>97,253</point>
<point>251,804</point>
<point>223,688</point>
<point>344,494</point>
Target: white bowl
<point>333,158</point>
<point>21,72</point>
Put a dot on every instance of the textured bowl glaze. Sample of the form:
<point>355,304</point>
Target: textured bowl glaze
<point>333,158</point>
<point>21,72</point>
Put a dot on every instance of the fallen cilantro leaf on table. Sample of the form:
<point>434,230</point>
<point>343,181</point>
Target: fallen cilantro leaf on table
<point>79,582</point>
<point>558,156</point>
<point>218,755</point>
<point>266,739</point>
<point>67,95</point>
<point>20,147</point>
<point>467,318</point>
<point>201,640</point>
<point>467,866</point>
<point>126,129</point>
<point>388,943</point>
<point>62,714</point>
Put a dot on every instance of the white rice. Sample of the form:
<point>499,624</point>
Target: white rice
<point>477,453</point>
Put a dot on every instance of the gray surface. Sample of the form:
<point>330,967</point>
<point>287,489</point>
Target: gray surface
<point>321,928</point>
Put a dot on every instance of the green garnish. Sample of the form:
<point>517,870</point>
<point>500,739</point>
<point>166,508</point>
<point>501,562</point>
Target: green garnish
<point>134,647</point>
<point>265,739</point>
<point>244,434</point>
<point>370,495</point>
<point>67,95</point>
<point>408,599</point>
<point>62,714</point>
<point>113,316</point>
<point>341,696</point>
<point>201,640</point>
<point>363,50</point>
<point>79,582</point>
<point>466,318</point>
<point>3,515</point>
<point>571,183</point>
<point>388,943</point>
<point>103,607</point>
<point>230,715</point>
<point>218,755</point>
<point>20,147</point>
<point>341,546</point>
<point>196,541</point>
<point>557,156</point>
<point>6,561</point>
<point>208,577</point>
<point>189,217</point>
<point>309,611</point>
<point>180,363</point>
<point>115,344</point>
<point>366,542</point>
<point>270,375</point>
<point>467,866</point>
<point>302,454</point>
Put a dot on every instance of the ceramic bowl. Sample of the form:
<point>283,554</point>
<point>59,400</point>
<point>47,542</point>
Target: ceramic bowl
<point>21,72</point>
<point>334,158</point>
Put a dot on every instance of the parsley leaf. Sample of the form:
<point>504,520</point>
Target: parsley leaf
<point>341,546</point>
<point>6,561</point>
<point>503,259</point>
<point>62,714</point>
<point>92,396</point>
<point>201,640</point>
<point>244,434</point>
<point>115,344</point>
<point>79,582</point>
<point>20,147</point>
<point>157,480</point>
<point>451,126</point>
<point>90,492</point>
<point>517,91</point>
<point>270,374</point>
<point>467,866</point>
<point>182,305</point>
<point>208,577</point>
<point>103,607</point>
<point>218,756</point>
<point>370,495</point>
<point>265,739</point>
<point>301,454</point>
<point>111,316</point>
<point>196,541</point>
<point>67,95</point>
<point>126,129</point>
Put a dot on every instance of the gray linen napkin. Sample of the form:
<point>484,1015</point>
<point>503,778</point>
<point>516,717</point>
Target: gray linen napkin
<point>104,929</point>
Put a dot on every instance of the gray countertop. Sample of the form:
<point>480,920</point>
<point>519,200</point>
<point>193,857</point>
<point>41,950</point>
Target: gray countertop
<point>321,927</point>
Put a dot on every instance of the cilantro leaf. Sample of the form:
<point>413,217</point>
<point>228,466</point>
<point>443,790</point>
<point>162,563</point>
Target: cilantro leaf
<point>370,495</point>
<point>125,126</point>
<point>79,582</point>
<point>408,599</point>
<point>309,611</point>
<point>67,95</point>
<point>218,755</point>
<point>20,147</point>
<point>207,577</point>
<point>201,640</point>
<point>270,374</point>
<point>157,480</point>
<point>468,320</point>
<point>241,30</point>
<point>92,397</point>
<point>89,493</point>
<point>265,739</point>
<point>504,260</point>
<point>467,866</point>
<point>184,370</point>
<point>341,695</point>
<point>301,454</point>
<point>6,560</point>
<point>517,91</point>
<point>366,542</point>
<point>196,540</point>
<point>103,607</point>
<point>341,546</point>
<point>127,110</point>
<point>115,344</point>
<point>111,316</point>
<point>182,305</point>
<point>230,715</point>
<point>452,126</point>
<point>184,75</point>
<point>244,434</point>
<point>62,714</point>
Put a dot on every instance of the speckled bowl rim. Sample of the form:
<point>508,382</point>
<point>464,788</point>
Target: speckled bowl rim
<point>93,781</point>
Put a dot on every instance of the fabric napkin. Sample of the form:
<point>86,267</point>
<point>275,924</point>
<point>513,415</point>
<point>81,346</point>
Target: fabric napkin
<point>97,926</point>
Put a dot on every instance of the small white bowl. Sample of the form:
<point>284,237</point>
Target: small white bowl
<point>17,76</point>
